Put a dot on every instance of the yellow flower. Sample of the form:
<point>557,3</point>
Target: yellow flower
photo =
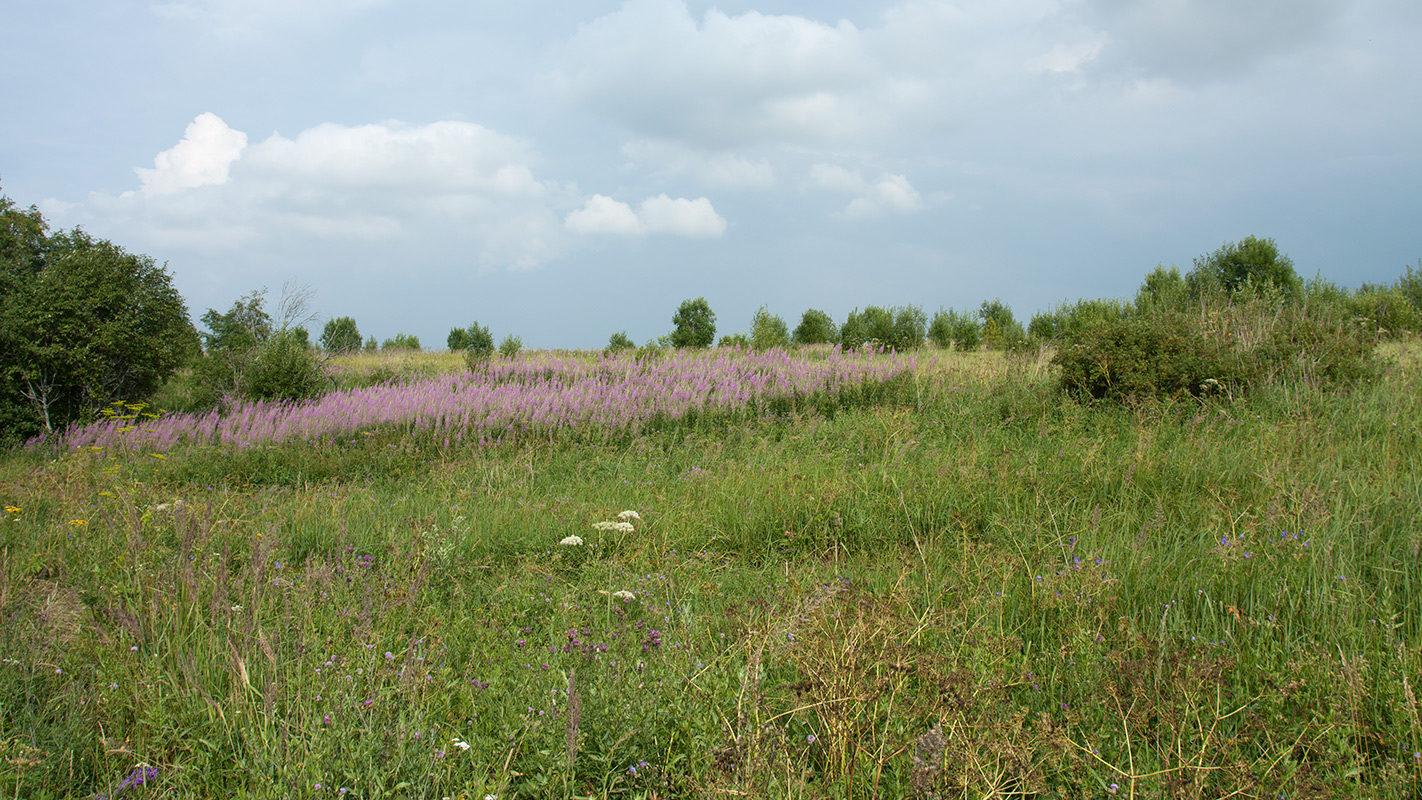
<point>12,509</point>
<point>78,523</point>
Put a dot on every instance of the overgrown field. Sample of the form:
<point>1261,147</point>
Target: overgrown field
<point>959,582</point>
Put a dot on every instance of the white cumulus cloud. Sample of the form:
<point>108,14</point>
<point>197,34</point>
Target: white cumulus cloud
<point>202,158</point>
<point>661,214</point>
<point>890,194</point>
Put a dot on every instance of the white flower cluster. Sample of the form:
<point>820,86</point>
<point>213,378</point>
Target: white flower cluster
<point>571,541</point>
<point>620,527</point>
<point>624,595</point>
<point>628,515</point>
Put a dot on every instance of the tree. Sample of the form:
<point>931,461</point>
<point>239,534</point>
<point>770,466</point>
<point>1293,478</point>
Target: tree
<point>510,346</point>
<point>900,328</point>
<point>402,341</point>
<point>695,324</point>
<point>816,327</point>
<point>83,322</point>
<point>457,340</point>
<point>767,330</point>
<point>341,335</point>
<point>249,357</point>
<point>1001,330</point>
<point>1250,264</point>
<point>959,329</point>
<point>618,342</point>
<point>241,329</point>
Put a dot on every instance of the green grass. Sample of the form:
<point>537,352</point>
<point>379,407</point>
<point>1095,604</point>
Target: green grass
<point>975,588</point>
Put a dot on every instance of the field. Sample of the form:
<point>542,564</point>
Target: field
<point>939,577</point>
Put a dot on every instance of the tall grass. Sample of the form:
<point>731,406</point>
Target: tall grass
<point>972,586</point>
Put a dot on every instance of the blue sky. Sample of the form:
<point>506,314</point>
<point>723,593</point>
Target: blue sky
<point>561,170</point>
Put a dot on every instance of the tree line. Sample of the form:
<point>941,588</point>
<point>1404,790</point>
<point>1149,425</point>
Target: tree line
<point>85,323</point>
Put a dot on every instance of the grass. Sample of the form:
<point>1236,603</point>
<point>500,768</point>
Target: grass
<point>973,588</point>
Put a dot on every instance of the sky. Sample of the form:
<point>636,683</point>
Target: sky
<point>561,171</point>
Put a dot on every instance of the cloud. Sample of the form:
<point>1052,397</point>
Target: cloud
<point>245,18</point>
<point>661,214</point>
<point>202,158</point>
<point>723,81</point>
<point>1199,40</point>
<point>891,194</point>
<point>388,181</point>
<point>724,170</point>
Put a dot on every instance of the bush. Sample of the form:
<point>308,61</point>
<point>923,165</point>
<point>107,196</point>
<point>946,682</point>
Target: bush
<point>816,327</point>
<point>1001,331</point>
<point>735,340</point>
<point>1070,319</point>
<point>457,340</point>
<point>1163,290</point>
<point>1130,360</point>
<point>695,324</point>
<point>340,336</point>
<point>370,345</point>
<point>958,329</point>
<point>510,346</point>
<point>619,342</point>
<point>284,367</point>
<point>768,331</point>
<point>901,328</point>
<point>1247,267</point>
<point>402,341</point>
<point>478,341</point>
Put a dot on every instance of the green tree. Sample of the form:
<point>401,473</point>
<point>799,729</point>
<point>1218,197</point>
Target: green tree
<point>402,341</point>
<point>241,329</point>
<point>1163,290</point>
<point>1001,330</point>
<point>768,330</point>
<point>816,327</point>
<point>341,335</point>
<point>695,324</point>
<point>510,346</point>
<point>618,342</point>
<point>457,340</point>
<point>478,340</point>
<point>1250,264</point>
<point>83,322</point>
<point>958,329</point>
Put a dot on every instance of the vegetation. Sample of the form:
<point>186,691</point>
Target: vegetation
<point>82,321</point>
<point>341,336</point>
<point>402,341</point>
<point>816,327</point>
<point>768,331</point>
<point>695,324</point>
<point>619,342</point>
<point>1158,548</point>
<point>251,357</point>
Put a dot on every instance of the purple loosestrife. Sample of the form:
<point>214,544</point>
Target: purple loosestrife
<point>512,398</point>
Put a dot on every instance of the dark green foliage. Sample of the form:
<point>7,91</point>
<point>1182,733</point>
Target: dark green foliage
<point>284,368</point>
<point>1163,290</point>
<point>768,330</point>
<point>241,329</point>
<point>82,323</point>
<point>341,336</point>
<point>957,329</point>
<point>1001,331</point>
<point>900,328</point>
<point>510,346</point>
<point>619,342</point>
<point>370,345</point>
<point>401,341</point>
<point>816,327</point>
<point>695,324</point>
<point>248,359</point>
<point>478,340</point>
<point>735,340</point>
<point>1130,360</point>
<point>1245,267</point>
<point>457,340</point>
<point>1383,312</point>
<point>1069,319</point>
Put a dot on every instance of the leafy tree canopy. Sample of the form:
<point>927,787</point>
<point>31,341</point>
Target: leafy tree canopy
<point>1250,263</point>
<point>695,324</point>
<point>83,323</point>
<point>816,327</point>
<point>341,335</point>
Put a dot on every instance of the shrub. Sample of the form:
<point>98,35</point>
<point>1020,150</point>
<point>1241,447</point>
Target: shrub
<point>457,340</point>
<point>1069,319</point>
<point>370,345</point>
<point>901,328</point>
<point>478,341</point>
<point>958,329</point>
<point>510,346</point>
<point>401,341</point>
<point>284,367</point>
<point>1163,290</point>
<point>1383,312</point>
<point>1246,267</point>
<point>619,342</point>
<point>1130,360</point>
<point>1001,331</point>
<point>735,340</point>
<point>340,336</point>
<point>768,331</point>
<point>695,324</point>
<point>816,327</point>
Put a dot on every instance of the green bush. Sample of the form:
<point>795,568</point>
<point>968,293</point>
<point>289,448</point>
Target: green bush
<point>457,340</point>
<point>1001,331</point>
<point>695,324</point>
<point>284,367</point>
<point>370,345</point>
<point>1247,267</point>
<point>735,340</point>
<point>340,336</point>
<point>768,330</point>
<point>1131,360</point>
<point>402,341</point>
<point>510,346</point>
<point>1069,319</point>
<point>816,327</point>
<point>619,342</point>
<point>957,329</point>
<point>901,328</point>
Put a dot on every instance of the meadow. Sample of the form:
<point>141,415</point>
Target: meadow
<point>862,576</point>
